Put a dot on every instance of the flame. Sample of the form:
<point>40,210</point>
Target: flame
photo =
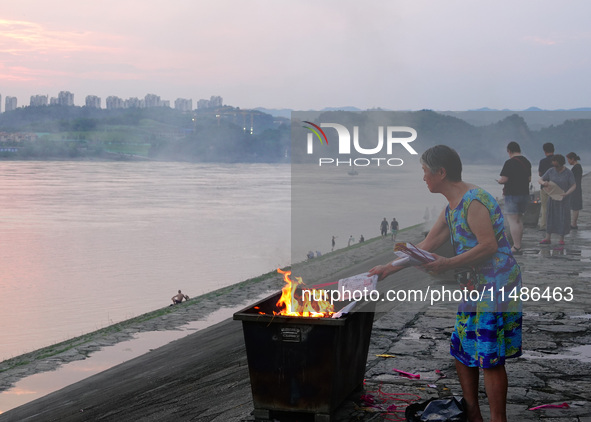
<point>291,304</point>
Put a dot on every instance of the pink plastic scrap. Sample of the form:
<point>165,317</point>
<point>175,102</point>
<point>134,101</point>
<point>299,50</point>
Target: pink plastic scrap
<point>551,406</point>
<point>368,399</point>
<point>407,374</point>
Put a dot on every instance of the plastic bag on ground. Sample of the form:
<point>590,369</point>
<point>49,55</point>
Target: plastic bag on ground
<point>437,410</point>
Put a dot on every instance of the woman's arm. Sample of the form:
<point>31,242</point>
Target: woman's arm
<point>437,236</point>
<point>570,190</point>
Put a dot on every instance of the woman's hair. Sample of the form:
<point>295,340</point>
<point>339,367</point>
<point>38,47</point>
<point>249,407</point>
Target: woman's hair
<point>513,147</point>
<point>573,156</point>
<point>442,156</point>
<point>559,159</point>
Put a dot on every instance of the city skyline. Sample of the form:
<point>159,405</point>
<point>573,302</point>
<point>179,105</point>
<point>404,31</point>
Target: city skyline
<point>112,102</point>
<point>403,54</point>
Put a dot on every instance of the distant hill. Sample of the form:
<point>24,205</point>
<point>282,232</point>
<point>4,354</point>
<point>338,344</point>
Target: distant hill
<point>484,143</point>
<point>536,118</point>
<point>229,134</point>
<point>286,112</point>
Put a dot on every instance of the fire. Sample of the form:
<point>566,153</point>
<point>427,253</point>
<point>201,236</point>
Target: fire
<point>291,303</point>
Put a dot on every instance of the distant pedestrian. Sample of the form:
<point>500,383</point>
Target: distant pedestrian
<point>310,255</point>
<point>545,164</point>
<point>576,201</point>
<point>516,177</point>
<point>333,243</point>
<point>361,239</point>
<point>178,298</point>
<point>384,227</point>
<point>394,228</point>
<point>351,240</point>
<point>558,219</point>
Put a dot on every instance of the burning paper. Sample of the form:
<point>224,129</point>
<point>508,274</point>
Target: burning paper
<point>292,303</point>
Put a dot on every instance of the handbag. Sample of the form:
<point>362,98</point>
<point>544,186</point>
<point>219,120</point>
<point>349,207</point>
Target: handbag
<point>466,278</point>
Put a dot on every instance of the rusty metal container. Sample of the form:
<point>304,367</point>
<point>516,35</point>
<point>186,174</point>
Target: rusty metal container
<point>304,365</point>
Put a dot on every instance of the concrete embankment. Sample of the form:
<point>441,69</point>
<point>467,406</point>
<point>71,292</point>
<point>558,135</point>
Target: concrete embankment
<point>204,376</point>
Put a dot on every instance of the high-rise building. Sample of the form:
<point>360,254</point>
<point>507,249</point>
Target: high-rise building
<point>65,98</point>
<point>133,102</point>
<point>38,100</point>
<point>10,104</point>
<point>152,100</point>
<point>182,104</point>
<point>114,102</point>
<point>92,101</point>
<point>215,101</point>
<point>0,103</point>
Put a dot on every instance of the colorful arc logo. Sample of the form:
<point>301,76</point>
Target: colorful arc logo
<point>317,129</point>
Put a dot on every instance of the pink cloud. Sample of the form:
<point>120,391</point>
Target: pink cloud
<point>23,38</point>
<point>540,41</point>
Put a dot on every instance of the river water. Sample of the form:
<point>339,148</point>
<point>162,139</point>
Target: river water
<point>88,244</point>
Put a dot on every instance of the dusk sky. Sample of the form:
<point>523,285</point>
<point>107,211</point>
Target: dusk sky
<point>409,54</point>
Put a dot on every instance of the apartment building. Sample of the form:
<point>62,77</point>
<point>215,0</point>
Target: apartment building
<point>92,101</point>
<point>183,104</point>
<point>65,98</point>
<point>10,104</point>
<point>38,100</point>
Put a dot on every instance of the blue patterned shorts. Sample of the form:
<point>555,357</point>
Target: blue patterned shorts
<point>486,339</point>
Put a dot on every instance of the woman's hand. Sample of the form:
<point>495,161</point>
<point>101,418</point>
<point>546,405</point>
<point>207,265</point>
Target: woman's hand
<point>441,264</point>
<point>383,271</point>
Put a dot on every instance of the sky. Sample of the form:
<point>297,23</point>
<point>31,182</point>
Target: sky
<point>302,54</point>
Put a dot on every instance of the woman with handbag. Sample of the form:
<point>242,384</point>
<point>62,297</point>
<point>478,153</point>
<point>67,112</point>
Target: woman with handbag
<point>486,331</point>
<point>559,206</point>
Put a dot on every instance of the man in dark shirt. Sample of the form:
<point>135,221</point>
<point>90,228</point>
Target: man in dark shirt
<point>384,227</point>
<point>516,176</point>
<point>394,228</point>
<point>545,164</point>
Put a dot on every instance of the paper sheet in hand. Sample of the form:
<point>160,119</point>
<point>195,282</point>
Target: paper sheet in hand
<point>361,282</point>
<point>409,254</point>
<point>554,191</point>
